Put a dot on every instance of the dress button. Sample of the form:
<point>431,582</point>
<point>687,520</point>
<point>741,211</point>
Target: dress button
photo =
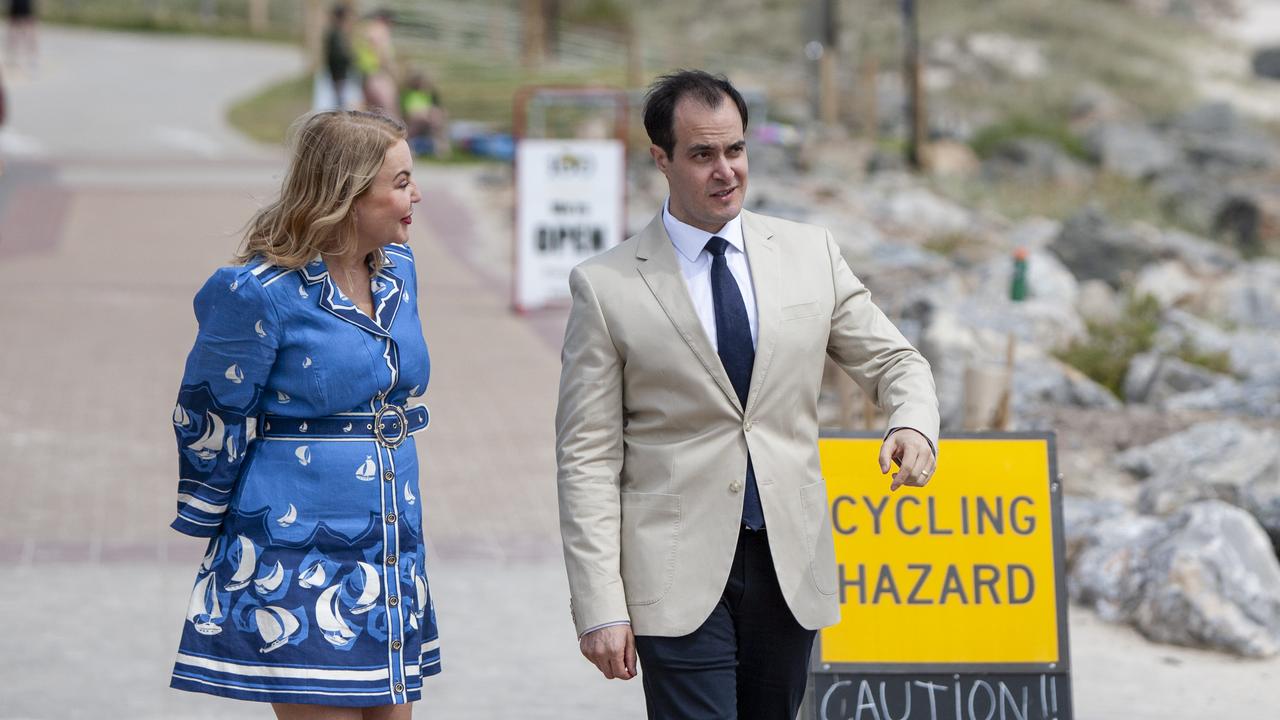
<point>735,486</point>
<point>388,476</point>
<point>391,559</point>
<point>394,601</point>
<point>399,687</point>
<point>395,645</point>
<point>391,518</point>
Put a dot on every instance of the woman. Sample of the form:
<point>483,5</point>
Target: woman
<point>295,442</point>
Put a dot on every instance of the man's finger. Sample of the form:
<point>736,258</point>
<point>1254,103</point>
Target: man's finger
<point>886,453</point>
<point>906,466</point>
<point>630,655</point>
<point>618,664</point>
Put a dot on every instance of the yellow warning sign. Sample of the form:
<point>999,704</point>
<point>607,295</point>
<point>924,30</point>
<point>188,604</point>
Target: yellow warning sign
<point>960,571</point>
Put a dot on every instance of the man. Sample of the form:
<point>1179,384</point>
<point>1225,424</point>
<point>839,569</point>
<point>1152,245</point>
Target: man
<point>692,508</point>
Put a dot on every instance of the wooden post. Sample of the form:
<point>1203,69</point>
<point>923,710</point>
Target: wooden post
<point>869,70</point>
<point>533,49</point>
<point>258,18</point>
<point>314,20</point>
<point>635,54</point>
<point>911,77</point>
<point>828,88</point>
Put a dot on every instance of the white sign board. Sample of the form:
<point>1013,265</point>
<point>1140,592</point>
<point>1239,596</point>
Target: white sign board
<point>569,207</point>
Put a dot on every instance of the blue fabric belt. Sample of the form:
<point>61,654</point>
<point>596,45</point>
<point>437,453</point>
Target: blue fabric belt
<point>389,426</point>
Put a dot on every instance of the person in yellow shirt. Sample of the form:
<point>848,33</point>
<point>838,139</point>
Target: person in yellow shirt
<point>425,116</point>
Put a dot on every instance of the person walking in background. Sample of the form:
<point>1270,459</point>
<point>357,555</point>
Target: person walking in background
<point>295,441</point>
<point>692,508</point>
<point>21,45</point>
<point>375,59</point>
<point>337,53</point>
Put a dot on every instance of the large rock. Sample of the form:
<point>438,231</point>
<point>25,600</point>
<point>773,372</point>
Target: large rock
<point>1131,150</point>
<point>1250,297</point>
<point>1097,302</point>
<point>1093,103</point>
<point>1248,217</point>
<point>915,209</point>
<point>1033,161</point>
<point>1168,282</point>
<point>1202,257</point>
<point>1094,249</point>
<point>1266,63</point>
<point>1155,378</point>
<point>1256,398</point>
<point>1191,197</point>
<point>1204,577</point>
<point>1034,233</point>
<point>1041,380</point>
<point>1222,459</point>
<point>1253,354</point>
<point>1217,139</point>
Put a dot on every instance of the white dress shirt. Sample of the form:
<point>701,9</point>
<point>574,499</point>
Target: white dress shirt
<point>695,265</point>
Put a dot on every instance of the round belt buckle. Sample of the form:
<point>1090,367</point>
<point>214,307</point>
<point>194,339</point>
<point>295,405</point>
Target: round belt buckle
<point>400,417</point>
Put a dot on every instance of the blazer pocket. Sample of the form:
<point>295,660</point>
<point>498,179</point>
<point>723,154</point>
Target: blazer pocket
<point>800,311</point>
<point>650,536</point>
<point>821,545</point>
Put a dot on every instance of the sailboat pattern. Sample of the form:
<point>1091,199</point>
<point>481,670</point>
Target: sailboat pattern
<point>313,587</point>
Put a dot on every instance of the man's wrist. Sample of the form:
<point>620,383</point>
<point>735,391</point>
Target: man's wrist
<point>602,626</point>
<point>906,427</point>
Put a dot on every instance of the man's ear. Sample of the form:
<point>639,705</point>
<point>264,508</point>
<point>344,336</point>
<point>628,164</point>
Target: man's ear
<point>659,158</point>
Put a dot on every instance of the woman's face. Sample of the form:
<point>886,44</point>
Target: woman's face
<point>385,211</point>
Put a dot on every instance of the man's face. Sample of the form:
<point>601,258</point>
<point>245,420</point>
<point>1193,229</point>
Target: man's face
<point>707,170</point>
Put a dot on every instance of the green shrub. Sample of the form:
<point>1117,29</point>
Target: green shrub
<point>988,139</point>
<point>1104,354</point>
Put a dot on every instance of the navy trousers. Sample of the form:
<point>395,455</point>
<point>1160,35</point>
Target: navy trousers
<point>748,661</point>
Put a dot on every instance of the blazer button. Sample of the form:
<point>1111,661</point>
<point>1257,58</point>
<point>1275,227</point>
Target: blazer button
<point>735,486</point>
<point>746,426</point>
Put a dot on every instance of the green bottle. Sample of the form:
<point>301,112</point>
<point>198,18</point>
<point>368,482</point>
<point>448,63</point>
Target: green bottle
<point>1018,288</point>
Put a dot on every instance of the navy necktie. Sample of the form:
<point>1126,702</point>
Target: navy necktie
<point>737,354</point>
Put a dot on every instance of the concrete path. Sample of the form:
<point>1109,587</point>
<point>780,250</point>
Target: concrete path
<point>108,225</point>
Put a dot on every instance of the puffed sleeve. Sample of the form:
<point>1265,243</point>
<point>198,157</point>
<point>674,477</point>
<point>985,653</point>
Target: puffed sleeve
<point>220,395</point>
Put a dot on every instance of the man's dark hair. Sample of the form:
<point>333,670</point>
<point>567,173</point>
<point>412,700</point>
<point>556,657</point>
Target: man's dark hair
<point>666,92</point>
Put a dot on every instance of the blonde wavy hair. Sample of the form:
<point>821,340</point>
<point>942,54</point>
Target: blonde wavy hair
<point>335,156</point>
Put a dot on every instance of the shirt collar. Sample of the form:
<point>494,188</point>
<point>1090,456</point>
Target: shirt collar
<point>690,241</point>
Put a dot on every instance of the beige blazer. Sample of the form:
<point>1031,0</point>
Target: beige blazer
<point>652,442</point>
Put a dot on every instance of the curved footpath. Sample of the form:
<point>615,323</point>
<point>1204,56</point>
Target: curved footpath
<point>123,188</point>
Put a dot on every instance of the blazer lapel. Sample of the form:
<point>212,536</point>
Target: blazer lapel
<point>658,266</point>
<point>762,257</point>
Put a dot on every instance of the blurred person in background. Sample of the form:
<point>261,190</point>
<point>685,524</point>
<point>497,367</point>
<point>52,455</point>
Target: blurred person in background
<point>20,46</point>
<point>295,441</point>
<point>337,52</point>
<point>424,116</point>
<point>376,60</point>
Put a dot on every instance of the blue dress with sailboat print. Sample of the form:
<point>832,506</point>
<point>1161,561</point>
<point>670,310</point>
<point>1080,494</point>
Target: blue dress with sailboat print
<point>297,461</point>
